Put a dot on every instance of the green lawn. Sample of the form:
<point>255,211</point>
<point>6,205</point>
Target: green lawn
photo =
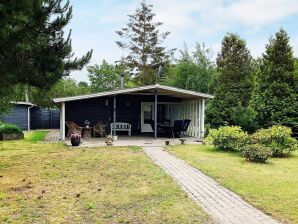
<point>272,187</point>
<point>35,136</point>
<point>51,183</point>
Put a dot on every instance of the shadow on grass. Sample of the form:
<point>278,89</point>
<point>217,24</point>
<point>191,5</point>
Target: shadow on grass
<point>212,149</point>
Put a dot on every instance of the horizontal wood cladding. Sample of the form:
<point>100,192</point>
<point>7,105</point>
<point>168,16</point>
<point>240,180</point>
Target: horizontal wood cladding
<point>128,109</point>
<point>18,116</point>
<point>93,110</point>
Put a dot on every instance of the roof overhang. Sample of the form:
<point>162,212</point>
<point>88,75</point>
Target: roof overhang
<point>23,103</point>
<point>161,89</point>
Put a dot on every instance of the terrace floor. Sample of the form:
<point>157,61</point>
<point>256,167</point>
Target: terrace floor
<point>123,140</point>
<point>134,141</point>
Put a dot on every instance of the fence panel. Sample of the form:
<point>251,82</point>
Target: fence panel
<point>45,118</point>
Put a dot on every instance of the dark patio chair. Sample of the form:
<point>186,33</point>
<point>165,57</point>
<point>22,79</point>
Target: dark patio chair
<point>186,123</point>
<point>73,128</point>
<point>177,129</point>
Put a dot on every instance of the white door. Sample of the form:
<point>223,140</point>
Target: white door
<point>147,113</point>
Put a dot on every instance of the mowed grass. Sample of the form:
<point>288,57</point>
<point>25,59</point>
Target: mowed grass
<point>52,183</point>
<point>35,136</point>
<point>272,187</point>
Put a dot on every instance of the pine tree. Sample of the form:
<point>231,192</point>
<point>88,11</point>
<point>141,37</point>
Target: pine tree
<point>234,85</point>
<point>143,40</point>
<point>33,49</point>
<point>276,94</point>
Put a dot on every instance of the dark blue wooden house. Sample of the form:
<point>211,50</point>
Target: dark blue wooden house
<point>135,106</point>
<point>20,115</point>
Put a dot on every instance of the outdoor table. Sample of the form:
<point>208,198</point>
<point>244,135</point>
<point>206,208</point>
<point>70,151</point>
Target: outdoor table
<point>168,128</point>
<point>87,132</point>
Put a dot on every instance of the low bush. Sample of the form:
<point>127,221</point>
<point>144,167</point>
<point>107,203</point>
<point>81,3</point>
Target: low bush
<point>256,153</point>
<point>277,138</point>
<point>9,129</point>
<point>228,138</point>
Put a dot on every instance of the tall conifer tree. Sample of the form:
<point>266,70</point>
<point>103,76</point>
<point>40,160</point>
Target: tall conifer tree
<point>142,40</point>
<point>276,94</point>
<point>234,85</point>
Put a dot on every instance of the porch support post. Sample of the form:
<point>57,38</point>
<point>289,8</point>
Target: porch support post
<point>62,121</point>
<point>202,118</point>
<point>155,113</point>
<point>114,112</point>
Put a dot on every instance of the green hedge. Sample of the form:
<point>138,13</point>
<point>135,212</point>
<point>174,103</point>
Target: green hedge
<point>9,129</point>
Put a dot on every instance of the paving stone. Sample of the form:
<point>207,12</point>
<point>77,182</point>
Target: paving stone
<point>52,136</point>
<point>221,204</point>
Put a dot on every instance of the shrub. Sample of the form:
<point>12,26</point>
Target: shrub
<point>228,138</point>
<point>277,138</point>
<point>256,153</point>
<point>9,129</point>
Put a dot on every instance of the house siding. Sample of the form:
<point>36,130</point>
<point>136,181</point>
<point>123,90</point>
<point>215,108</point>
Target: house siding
<point>18,116</point>
<point>128,109</point>
<point>93,110</point>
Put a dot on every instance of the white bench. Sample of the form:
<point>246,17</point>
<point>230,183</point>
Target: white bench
<point>120,126</point>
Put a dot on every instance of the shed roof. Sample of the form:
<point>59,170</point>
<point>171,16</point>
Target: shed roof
<point>23,103</point>
<point>143,89</point>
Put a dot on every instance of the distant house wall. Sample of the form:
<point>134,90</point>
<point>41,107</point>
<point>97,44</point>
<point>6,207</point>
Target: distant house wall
<point>18,116</point>
<point>128,109</point>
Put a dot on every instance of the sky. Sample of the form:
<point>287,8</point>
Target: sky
<point>94,24</point>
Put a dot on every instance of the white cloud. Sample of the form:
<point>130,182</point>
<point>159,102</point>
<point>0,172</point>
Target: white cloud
<point>259,12</point>
<point>187,20</point>
<point>213,16</point>
<point>246,14</point>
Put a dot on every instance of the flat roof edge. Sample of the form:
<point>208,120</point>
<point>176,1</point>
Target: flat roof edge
<point>136,89</point>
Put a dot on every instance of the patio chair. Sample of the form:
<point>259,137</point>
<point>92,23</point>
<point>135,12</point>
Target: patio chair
<point>73,128</point>
<point>185,126</point>
<point>177,129</point>
<point>99,129</point>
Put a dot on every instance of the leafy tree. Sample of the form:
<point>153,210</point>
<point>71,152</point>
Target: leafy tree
<point>234,85</point>
<point>64,87</point>
<point>104,76</point>
<point>194,71</point>
<point>13,94</point>
<point>142,40</point>
<point>33,49</point>
<point>83,84</point>
<point>276,94</point>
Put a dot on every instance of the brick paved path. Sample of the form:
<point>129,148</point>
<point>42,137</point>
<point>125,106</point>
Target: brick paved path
<point>220,203</point>
<point>52,136</point>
